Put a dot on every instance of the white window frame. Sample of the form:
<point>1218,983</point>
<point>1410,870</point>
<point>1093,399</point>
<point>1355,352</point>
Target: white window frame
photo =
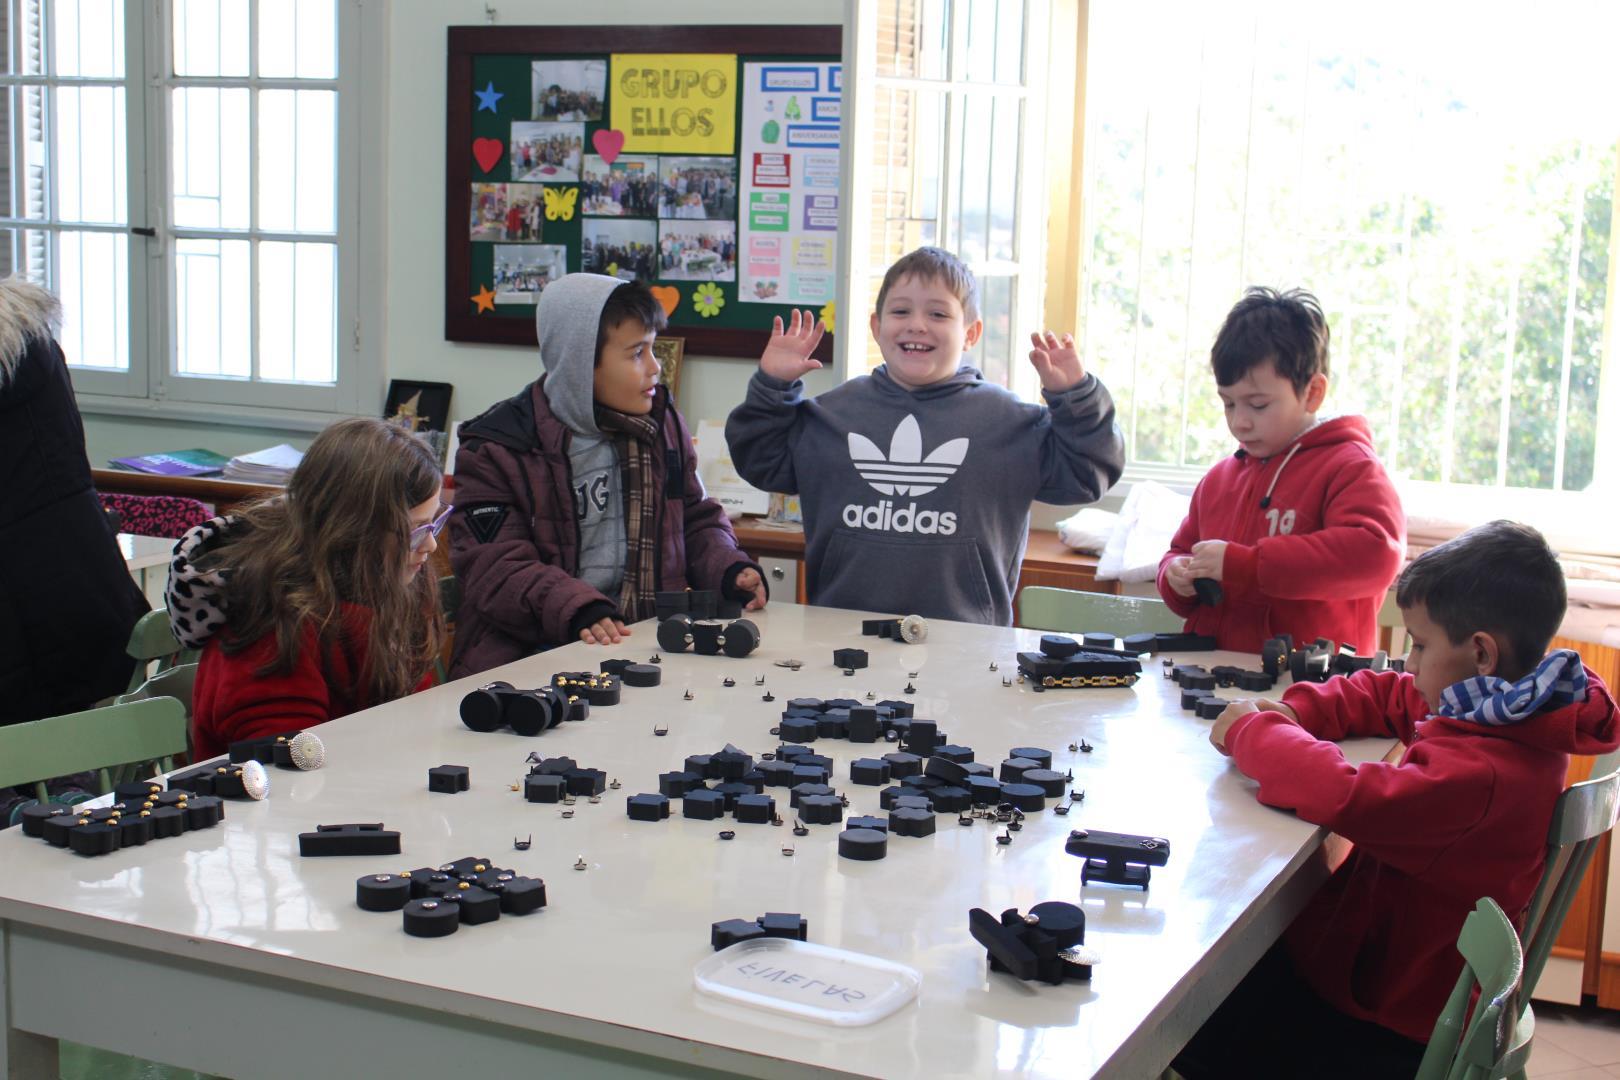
<point>858,279</point>
<point>152,387</point>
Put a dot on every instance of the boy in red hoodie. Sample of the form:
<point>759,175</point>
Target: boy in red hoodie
<point>1489,723</point>
<point>1301,528</point>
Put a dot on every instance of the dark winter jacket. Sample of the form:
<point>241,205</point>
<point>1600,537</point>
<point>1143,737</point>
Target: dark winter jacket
<point>514,538</point>
<point>67,601</point>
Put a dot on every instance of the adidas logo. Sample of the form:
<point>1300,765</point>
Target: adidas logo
<point>903,471</point>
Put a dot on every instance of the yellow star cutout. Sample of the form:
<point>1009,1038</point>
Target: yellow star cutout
<point>485,299</point>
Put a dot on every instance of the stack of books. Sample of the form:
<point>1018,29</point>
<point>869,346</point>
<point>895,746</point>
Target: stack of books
<point>175,463</point>
<point>272,466</point>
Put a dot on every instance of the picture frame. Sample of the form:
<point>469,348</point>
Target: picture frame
<point>423,409</point>
<point>670,351</point>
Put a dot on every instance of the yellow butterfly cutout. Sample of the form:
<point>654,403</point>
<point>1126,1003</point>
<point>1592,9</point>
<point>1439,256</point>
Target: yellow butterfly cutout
<point>560,203</point>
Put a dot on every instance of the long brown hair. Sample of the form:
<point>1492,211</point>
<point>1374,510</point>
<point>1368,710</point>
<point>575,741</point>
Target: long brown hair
<point>340,534</point>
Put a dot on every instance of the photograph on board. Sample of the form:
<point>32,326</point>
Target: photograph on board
<point>545,151</point>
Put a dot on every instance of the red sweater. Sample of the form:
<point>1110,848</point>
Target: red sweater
<point>232,701</point>
<point>1316,561</point>
<point>1464,814</point>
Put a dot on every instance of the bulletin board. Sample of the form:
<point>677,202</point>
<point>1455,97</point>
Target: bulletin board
<point>703,160</point>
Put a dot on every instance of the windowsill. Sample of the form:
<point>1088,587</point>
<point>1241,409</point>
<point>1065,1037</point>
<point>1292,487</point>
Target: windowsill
<point>199,413</point>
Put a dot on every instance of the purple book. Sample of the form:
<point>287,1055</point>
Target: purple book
<point>175,463</point>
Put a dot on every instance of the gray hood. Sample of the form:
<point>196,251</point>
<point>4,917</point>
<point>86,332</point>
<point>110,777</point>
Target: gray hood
<point>566,322</point>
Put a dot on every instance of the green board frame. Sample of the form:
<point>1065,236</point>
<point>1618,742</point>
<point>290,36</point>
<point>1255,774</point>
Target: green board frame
<point>480,55</point>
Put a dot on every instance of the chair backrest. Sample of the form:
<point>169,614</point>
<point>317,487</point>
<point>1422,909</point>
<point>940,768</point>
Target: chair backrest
<point>1392,626</point>
<point>153,639</point>
<point>1070,611</point>
<point>1475,1046</point>
<point>1583,813</point>
<point>149,730</point>
<point>176,682</point>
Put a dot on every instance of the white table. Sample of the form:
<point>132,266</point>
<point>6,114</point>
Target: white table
<point>224,951</point>
<point>142,553</point>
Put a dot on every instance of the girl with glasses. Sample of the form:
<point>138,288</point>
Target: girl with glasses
<point>314,604</point>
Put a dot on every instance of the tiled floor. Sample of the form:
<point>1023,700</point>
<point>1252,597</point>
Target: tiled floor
<point>1575,1044</point>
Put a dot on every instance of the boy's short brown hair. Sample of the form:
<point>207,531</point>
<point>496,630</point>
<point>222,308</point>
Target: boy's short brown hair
<point>632,301</point>
<point>1286,328</point>
<point>935,264</point>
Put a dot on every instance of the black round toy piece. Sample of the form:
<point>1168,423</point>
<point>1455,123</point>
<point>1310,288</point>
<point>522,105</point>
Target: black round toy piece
<point>432,918</point>
<point>642,675</point>
<point>1059,646</point>
<point>675,634</point>
<point>740,638</point>
<point>1026,797</point>
<point>1099,641</point>
<point>481,708</point>
<point>1064,921</point>
<point>1041,758</point>
<point>606,691</point>
<point>863,845</point>
<point>1051,782</point>
<point>1014,768</point>
<point>706,635</point>
<point>382,892</point>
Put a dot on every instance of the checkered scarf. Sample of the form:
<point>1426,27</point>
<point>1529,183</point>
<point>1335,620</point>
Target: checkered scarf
<point>635,437</point>
<point>1558,680</point>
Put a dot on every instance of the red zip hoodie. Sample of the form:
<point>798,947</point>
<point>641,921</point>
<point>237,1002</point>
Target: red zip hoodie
<point>1314,537</point>
<point>1464,814</point>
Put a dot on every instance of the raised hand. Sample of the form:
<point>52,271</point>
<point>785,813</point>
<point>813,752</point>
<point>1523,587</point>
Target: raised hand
<point>787,354</point>
<point>1056,361</point>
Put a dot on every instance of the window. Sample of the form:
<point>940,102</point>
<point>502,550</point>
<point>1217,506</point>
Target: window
<point>185,175</point>
<point>1444,185</point>
<point>947,153</point>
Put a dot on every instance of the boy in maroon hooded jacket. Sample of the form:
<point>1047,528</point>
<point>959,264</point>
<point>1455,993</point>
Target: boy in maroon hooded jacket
<point>1301,527</point>
<point>1489,723</point>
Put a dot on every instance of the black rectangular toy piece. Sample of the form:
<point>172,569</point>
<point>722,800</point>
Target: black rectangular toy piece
<point>348,840</point>
<point>1081,669</point>
<point>849,659</point>
<point>449,779</point>
<point>1117,858</point>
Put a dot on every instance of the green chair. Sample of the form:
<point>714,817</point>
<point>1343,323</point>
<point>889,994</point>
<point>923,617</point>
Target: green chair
<point>153,639</point>
<point>1070,611</point>
<point>140,731</point>
<point>1488,1043</point>
<point>175,682</point>
<point>1583,813</point>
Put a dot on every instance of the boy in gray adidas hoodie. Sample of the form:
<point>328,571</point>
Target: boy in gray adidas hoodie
<point>916,480</point>
<point>579,499</point>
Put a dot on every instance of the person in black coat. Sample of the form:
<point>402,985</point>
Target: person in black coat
<point>67,601</point>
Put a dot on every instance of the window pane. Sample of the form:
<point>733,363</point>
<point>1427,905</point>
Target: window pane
<point>24,251</point>
<point>213,286</point>
<point>211,36</point>
<point>973,178</point>
<point>1004,179</point>
<point>1010,42</point>
<point>910,140</point>
<point>297,320</point>
<point>210,134</point>
<point>22,152</point>
<point>89,38</point>
<point>90,154</point>
<point>912,35</point>
<point>298,39</point>
<point>993,355</point>
<point>297,160</point>
<point>24,36</point>
<point>92,281</point>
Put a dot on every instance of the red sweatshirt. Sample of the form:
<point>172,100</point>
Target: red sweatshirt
<point>1463,815</point>
<point>1314,561</point>
<point>232,701</point>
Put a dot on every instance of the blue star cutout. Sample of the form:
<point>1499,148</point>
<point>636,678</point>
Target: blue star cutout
<point>487,97</point>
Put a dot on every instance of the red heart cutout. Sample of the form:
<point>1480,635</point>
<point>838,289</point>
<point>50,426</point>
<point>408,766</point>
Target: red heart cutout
<point>608,143</point>
<point>487,152</point>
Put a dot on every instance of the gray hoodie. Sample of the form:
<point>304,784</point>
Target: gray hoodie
<point>567,320</point>
<point>917,502</point>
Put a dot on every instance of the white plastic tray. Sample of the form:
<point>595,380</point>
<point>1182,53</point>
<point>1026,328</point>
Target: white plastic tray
<point>813,982</point>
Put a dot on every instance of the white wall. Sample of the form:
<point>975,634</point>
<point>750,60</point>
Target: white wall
<point>413,253</point>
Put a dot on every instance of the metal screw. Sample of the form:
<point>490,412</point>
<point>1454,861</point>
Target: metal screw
<point>579,864</point>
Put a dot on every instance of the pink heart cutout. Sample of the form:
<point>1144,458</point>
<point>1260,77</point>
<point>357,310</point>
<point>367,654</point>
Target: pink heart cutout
<point>608,143</point>
<point>487,152</point>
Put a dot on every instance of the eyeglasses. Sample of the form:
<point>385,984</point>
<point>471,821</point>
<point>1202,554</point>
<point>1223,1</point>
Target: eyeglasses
<point>420,534</point>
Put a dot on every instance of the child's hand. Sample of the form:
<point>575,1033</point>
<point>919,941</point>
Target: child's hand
<point>1057,362</point>
<point>1179,580</point>
<point>787,354</point>
<point>749,581</point>
<point>1237,711</point>
<point>1208,559</point>
<point>604,632</point>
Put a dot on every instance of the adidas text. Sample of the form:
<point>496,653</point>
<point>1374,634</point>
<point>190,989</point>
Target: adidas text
<point>908,519</point>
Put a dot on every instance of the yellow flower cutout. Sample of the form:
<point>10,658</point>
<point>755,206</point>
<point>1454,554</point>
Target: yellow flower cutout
<point>560,203</point>
<point>707,299</point>
<point>612,270</point>
<point>829,315</point>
